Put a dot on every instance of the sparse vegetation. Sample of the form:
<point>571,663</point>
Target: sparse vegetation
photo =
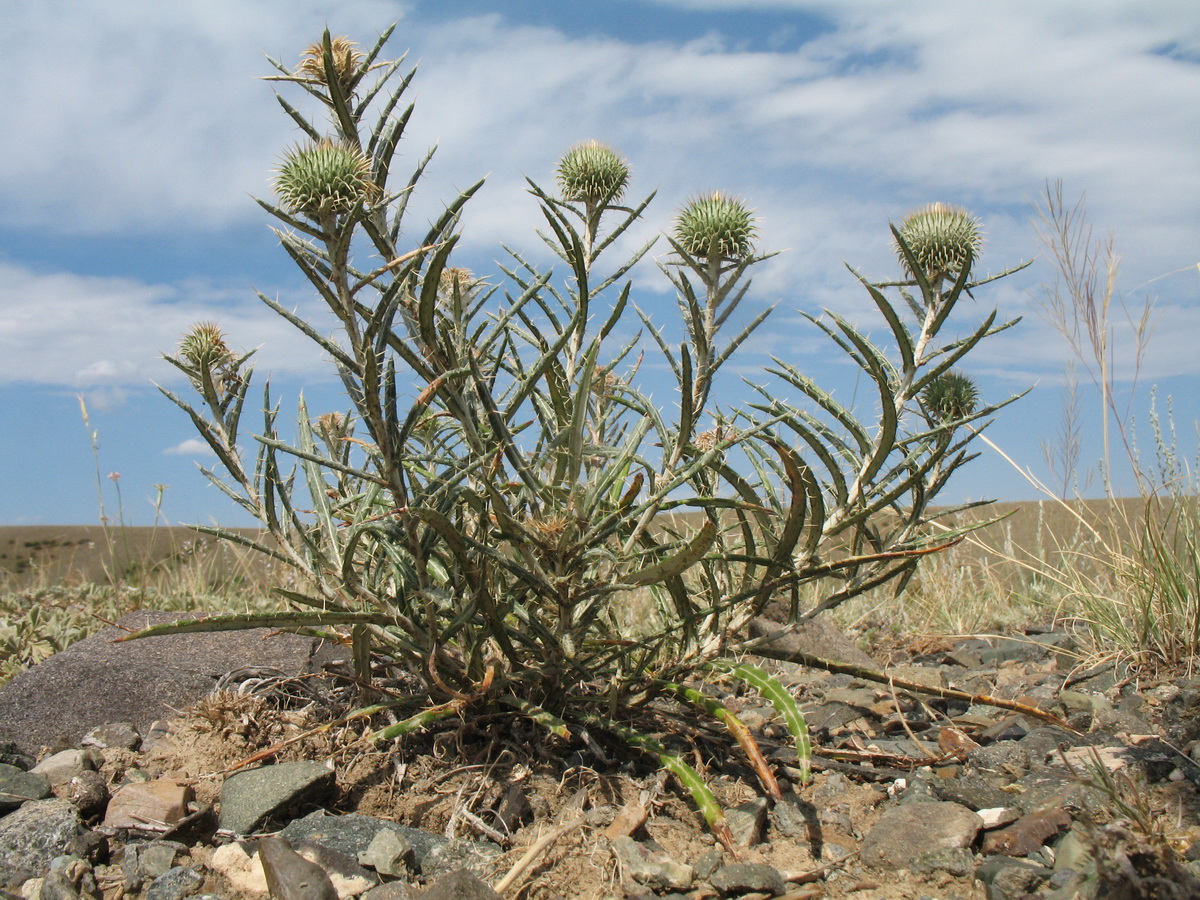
<point>1132,575</point>
<point>504,483</point>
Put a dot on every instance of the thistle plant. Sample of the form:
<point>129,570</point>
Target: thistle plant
<point>487,534</point>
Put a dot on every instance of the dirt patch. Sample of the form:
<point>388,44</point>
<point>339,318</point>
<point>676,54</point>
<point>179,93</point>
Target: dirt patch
<point>509,785</point>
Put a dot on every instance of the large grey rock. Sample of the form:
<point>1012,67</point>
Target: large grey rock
<point>746,821</point>
<point>909,830</point>
<point>175,884</point>
<point>249,799</point>
<point>459,885</point>
<point>290,876</point>
<point>17,786</point>
<point>97,681</point>
<point>33,836</point>
<point>651,867</point>
<point>742,878</point>
<point>353,834</point>
<point>815,638</point>
<point>69,878</point>
<point>61,767</point>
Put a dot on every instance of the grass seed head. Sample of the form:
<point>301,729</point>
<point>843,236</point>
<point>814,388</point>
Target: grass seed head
<point>943,238</point>
<point>716,226</point>
<point>593,173</point>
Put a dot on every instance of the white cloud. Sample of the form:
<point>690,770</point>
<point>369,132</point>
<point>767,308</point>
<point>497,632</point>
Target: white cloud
<point>158,122</point>
<point>132,114</point>
<point>92,333</point>
<point>190,447</point>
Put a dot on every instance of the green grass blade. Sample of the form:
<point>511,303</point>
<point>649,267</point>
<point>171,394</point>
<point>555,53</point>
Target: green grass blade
<point>675,565</point>
<point>701,794</point>
<point>242,621</point>
<point>779,697</point>
<point>418,722</point>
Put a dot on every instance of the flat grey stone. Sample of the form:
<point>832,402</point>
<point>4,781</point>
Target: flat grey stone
<point>17,786</point>
<point>175,884</point>
<point>34,835</point>
<point>61,767</point>
<point>290,876</point>
<point>459,885</point>
<point>69,878</point>
<point>743,878</point>
<point>907,831</point>
<point>816,638</point>
<point>746,821</point>
<point>956,861</point>
<point>249,799</point>
<point>352,834</point>
<point>114,734</point>
<point>95,682</point>
<point>388,854</point>
<point>1009,879</point>
<point>651,867</point>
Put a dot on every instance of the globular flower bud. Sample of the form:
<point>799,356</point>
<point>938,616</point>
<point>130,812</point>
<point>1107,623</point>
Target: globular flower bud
<point>944,239</point>
<point>204,348</point>
<point>323,179</point>
<point>593,173</point>
<point>715,227</point>
<point>950,396</point>
<point>208,360</point>
<point>346,60</point>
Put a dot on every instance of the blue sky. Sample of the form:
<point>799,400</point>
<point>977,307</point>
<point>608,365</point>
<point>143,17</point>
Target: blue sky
<point>137,133</point>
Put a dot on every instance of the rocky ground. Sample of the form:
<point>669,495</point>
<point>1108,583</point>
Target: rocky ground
<point>260,788</point>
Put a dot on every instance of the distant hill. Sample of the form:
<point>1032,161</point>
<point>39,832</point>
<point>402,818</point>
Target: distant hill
<point>33,555</point>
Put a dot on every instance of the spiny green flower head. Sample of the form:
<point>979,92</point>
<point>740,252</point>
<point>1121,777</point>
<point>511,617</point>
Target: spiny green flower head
<point>591,173</point>
<point>204,347</point>
<point>716,226</point>
<point>951,396</point>
<point>943,238</point>
<point>324,178</point>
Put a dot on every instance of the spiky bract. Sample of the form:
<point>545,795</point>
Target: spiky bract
<point>323,179</point>
<point>950,397</point>
<point>715,226</point>
<point>593,173</point>
<point>204,348</point>
<point>346,59</point>
<point>945,239</point>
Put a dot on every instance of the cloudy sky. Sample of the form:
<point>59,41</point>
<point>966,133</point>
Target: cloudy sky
<point>137,132</point>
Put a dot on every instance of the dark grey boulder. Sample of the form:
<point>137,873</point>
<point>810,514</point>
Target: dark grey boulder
<point>352,834</point>
<point>249,799</point>
<point>742,878</point>
<point>459,885</point>
<point>32,836</point>
<point>290,876</point>
<point>816,637</point>
<point>17,786</point>
<point>175,884</point>
<point>96,681</point>
<point>905,832</point>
